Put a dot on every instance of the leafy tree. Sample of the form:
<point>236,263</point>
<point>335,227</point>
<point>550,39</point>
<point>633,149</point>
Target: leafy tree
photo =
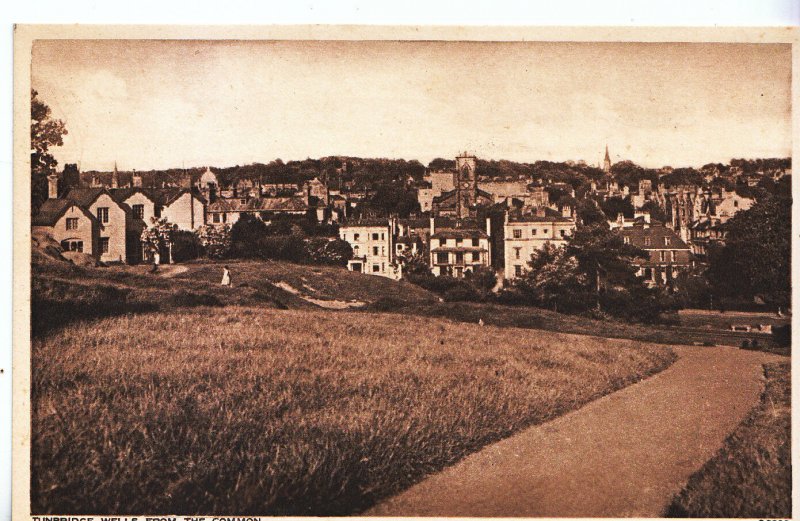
<point>604,259</point>
<point>483,278</point>
<point>245,235</point>
<point>589,214</point>
<point>158,237</point>
<point>185,246</point>
<point>756,258</point>
<point>614,206</point>
<point>216,241</point>
<point>324,251</point>
<point>656,212</point>
<point>46,132</point>
<point>554,280</point>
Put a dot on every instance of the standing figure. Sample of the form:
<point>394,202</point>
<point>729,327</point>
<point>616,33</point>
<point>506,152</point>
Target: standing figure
<point>226,276</point>
<point>156,261</point>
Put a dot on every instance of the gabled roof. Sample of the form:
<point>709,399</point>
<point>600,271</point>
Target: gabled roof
<point>259,204</point>
<point>167,196</point>
<point>53,209</point>
<point>86,196</point>
<point>120,195</point>
<point>637,235</point>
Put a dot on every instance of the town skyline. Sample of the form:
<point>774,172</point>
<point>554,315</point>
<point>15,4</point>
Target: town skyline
<point>153,105</point>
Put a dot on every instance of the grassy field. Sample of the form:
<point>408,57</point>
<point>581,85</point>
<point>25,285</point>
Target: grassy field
<point>537,318</point>
<point>752,475</point>
<point>252,410</point>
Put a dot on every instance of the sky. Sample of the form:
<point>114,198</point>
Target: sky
<point>151,104</point>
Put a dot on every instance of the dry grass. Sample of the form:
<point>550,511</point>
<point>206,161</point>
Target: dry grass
<point>241,410</point>
<point>751,476</point>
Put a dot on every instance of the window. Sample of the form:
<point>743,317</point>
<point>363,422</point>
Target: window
<point>355,236</point>
<point>517,270</point>
<point>442,258</point>
<point>459,240</point>
<point>647,241</point>
<point>626,240</point>
<point>216,218</point>
<point>476,256</point>
<point>72,246</point>
<point>736,204</point>
<point>666,241</point>
<point>648,273</point>
<point>672,255</point>
<point>102,215</point>
<point>563,233</point>
<point>381,236</point>
<point>103,245</point>
<point>224,217</point>
<point>516,253</point>
<point>459,257</point>
<point>663,256</point>
<point>374,236</point>
<point>399,247</point>
<point>533,231</point>
<point>72,223</point>
<point>138,211</point>
<point>375,250</point>
<point>475,241</point>
<point>517,234</point>
<point>376,268</point>
<point>355,251</point>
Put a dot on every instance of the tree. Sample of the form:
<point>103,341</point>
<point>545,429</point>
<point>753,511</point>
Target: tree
<point>335,252</point>
<point>656,212</point>
<point>216,241</point>
<point>46,132</point>
<point>246,234</point>
<point>604,258</point>
<point>590,214</point>
<point>554,280</point>
<point>756,258</point>
<point>158,237</point>
<point>613,206</point>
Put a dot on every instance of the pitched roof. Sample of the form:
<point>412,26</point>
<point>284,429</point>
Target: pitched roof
<point>550,215</point>
<point>120,195</point>
<point>459,234</point>
<point>85,196</point>
<point>656,234</point>
<point>259,204</point>
<point>53,209</point>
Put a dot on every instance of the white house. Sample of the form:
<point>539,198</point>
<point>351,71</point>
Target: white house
<point>523,234</point>
<point>372,241</point>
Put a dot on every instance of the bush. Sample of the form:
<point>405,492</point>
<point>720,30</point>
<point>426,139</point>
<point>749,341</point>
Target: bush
<point>185,246</point>
<point>462,293</point>
<point>782,335</point>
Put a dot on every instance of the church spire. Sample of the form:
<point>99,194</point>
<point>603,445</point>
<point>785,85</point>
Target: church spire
<point>607,161</point>
<point>115,177</point>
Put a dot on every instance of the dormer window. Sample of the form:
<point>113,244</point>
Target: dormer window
<point>666,241</point>
<point>626,240</point>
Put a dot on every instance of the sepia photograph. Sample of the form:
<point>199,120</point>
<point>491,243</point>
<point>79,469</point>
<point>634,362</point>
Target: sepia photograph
<point>376,272</point>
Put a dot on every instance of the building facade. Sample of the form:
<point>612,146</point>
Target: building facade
<point>372,241</point>
<point>524,234</point>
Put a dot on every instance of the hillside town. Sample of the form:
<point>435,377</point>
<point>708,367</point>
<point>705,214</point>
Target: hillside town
<point>463,220</point>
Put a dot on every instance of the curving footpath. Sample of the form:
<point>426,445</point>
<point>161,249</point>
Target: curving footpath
<point>625,454</point>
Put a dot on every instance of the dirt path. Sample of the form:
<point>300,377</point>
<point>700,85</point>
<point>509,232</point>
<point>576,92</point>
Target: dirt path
<point>170,270</point>
<point>625,454</point>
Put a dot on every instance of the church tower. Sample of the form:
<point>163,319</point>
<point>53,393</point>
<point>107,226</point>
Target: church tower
<point>607,162</point>
<point>466,182</point>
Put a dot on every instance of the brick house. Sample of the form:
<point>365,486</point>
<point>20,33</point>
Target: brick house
<point>668,255</point>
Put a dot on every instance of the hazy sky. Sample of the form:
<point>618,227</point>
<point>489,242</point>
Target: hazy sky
<point>160,104</point>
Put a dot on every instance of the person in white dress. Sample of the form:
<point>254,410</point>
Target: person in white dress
<point>226,276</point>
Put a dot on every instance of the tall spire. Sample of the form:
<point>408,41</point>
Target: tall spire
<point>115,177</point>
<point>607,161</point>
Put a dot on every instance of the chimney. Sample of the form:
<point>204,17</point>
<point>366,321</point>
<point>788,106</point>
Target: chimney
<point>137,180</point>
<point>540,211</point>
<point>432,226</point>
<point>489,226</point>
<point>52,186</point>
<point>566,211</point>
<point>505,217</point>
